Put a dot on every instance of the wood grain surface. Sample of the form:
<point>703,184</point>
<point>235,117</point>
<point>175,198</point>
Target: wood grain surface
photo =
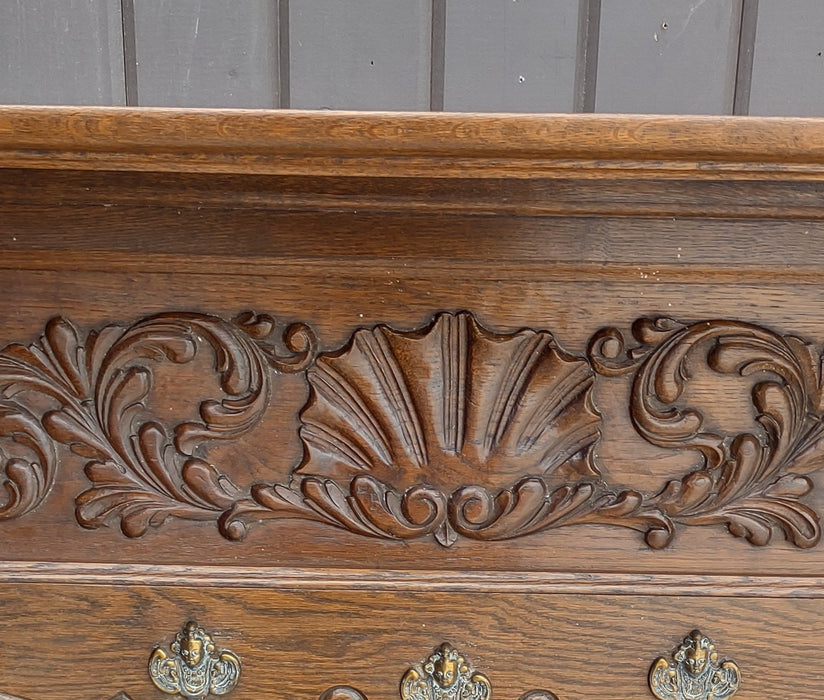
<point>297,644</point>
<point>410,144</point>
<point>342,222</point>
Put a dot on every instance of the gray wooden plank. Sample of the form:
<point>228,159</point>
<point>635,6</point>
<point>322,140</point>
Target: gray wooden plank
<point>207,53</point>
<point>586,62</point>
<point>788,60</point>
<point>437,56</point>
<point>510,55</point>
<point>66,52</point>
<point>360,54</point>
<point>129,52</point>
<point>284,72</point>
<point>746,46</point>
<point>668,56</point>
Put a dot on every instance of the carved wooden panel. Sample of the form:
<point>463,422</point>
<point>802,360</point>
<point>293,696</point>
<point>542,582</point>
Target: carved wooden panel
<point>449,430</point>
<point>515,382</point>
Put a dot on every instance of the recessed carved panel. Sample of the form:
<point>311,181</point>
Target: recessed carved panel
<point>449,430</point>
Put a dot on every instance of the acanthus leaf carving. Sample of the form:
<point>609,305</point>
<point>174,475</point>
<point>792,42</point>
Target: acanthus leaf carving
<point>745,481</point>
<point>449,430</point>
<point>142,471</point>
<point>25,478</point>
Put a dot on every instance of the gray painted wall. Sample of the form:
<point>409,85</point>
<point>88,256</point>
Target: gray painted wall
<point>665,56</point>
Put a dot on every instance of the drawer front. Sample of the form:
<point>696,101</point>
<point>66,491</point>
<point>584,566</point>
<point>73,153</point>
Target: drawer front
<point>92,642</point>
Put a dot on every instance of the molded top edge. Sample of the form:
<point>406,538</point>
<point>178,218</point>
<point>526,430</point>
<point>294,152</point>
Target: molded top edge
<point>406,144</point>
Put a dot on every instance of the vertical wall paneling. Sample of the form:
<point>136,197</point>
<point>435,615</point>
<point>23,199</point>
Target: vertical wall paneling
<point>788,60</point>
<point>284,72</point>
<point>437,56</point>
<point>61,52</point>
<point>586,61</point>
<point>668,56</point>
<point>511,55</point>
<point>129,52</point>
<point>207,53</point>
<point>746,47</point>
<point>360,54</point>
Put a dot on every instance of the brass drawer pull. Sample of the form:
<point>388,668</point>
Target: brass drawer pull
<point>196,668</point>
<point>445,675</point>
<point>695,673</point>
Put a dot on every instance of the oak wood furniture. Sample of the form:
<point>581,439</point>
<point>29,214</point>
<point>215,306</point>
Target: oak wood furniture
<point>396,405</point>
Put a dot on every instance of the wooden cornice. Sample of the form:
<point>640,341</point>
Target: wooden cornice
<point>431,145</point>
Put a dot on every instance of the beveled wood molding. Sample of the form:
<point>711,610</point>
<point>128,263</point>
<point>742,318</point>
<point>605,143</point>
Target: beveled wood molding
<point>447,430</point>
<point>408,144</point>
<point>427,580</point>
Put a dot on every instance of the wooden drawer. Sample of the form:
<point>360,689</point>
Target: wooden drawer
<point>297,643</point>
<point>344,388</point>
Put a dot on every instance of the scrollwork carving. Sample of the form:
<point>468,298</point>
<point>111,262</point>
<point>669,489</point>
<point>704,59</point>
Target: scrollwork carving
<point>752,481</point>
<point>94,390</point>
<point>446,431</point>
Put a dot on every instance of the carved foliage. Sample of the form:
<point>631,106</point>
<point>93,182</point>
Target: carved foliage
<point>447,430</point>
<point>92,397</point>
<point>752,481</point>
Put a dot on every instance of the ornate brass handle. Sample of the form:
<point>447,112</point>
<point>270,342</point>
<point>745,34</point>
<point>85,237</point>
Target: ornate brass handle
<point>196,668</point>
<point>694,673</point>
<point>445,675</point>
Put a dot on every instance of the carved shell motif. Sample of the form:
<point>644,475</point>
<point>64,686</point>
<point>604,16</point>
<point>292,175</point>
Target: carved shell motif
<point>445,430</point>
<point>469,421</point>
